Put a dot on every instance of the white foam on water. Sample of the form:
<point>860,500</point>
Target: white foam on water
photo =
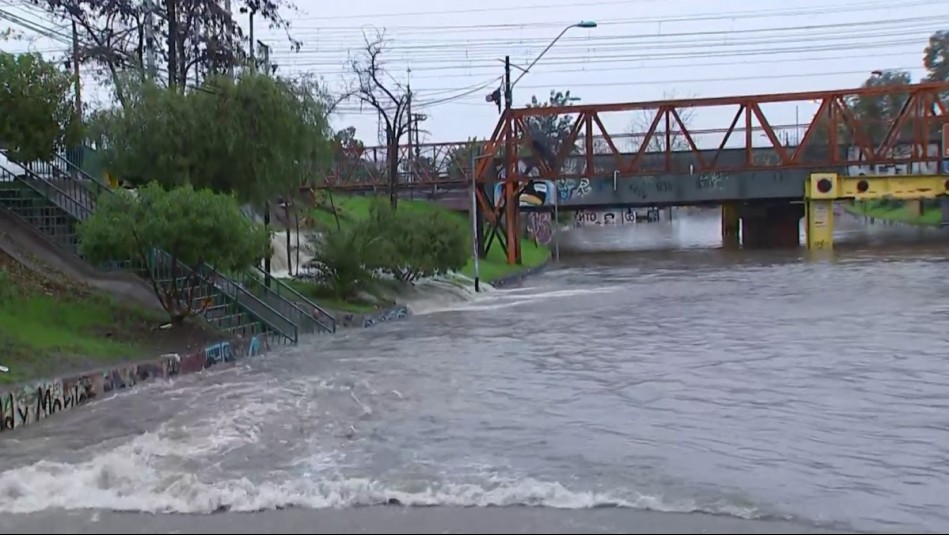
<point>125,479</point>
<point>155,472</point>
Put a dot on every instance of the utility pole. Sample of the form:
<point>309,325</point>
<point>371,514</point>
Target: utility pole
<point>507,83</point>
<point>265,52</point>
<point>408,113</point>
<point>75,68</point>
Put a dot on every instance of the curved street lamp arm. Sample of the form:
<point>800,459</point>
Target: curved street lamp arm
<point>552,43</point>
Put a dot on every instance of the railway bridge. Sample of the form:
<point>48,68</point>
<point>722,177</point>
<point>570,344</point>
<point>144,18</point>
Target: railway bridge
<point>764,183</point>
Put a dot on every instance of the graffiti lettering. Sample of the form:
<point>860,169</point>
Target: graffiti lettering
<point>392,314</point>
<point>713,181</point>
<point>218,353</point>
<point>902,152</point>
<point>7,413</point>
<point>27,404</point>
<point>539,227</point>
<point>570,188</point>
<point>663,186</point>
<point>253,348</point>
<point>585,218</point>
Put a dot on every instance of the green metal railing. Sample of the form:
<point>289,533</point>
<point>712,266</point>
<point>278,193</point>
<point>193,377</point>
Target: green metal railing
<point>274,322</point>
<point>58,212</point>
<point>309,316</point>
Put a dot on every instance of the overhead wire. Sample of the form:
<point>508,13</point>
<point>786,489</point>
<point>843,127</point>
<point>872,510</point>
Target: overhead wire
<point>435,54</point>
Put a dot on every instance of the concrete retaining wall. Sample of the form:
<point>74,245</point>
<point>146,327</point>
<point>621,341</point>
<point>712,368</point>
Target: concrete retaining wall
<point>25,404</point>
<point>518,277</point>
<point>350,320</point>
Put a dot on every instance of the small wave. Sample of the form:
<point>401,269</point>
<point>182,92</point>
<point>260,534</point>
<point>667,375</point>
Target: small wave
<point>124,480</point>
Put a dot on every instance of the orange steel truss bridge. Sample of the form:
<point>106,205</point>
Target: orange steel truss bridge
<point>668,152</point>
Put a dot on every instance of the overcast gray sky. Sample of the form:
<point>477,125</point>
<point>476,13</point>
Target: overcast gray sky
<point>641,50</point>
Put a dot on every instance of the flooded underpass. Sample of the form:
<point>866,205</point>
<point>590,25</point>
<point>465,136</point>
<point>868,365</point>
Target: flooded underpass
<point>650,381</point>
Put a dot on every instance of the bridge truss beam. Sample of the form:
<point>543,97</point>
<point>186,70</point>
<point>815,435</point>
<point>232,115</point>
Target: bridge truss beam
<point>833,138</point>
<point>518,151</point>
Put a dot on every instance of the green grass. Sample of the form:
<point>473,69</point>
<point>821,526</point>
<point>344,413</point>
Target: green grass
<point>896,211</point>
<point>43,335</point>
<point>352,209</point>
<point>495,266</point>
<point>325,299</point>
<point>356,208</point>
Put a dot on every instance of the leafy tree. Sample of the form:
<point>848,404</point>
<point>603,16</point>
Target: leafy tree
<point>151,138</point>
<point>550,132</point>
<point>936,57</point>
<point>340,258</point>
<point>192,227</point>
<point>415,244</point>
<point>879,113</point>
<point>348,152</point>
<point>459,159</point>
<point>37,114</point>
<point>256,137</point>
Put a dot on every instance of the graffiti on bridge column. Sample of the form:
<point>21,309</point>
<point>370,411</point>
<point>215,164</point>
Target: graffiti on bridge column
<point>539,227</point>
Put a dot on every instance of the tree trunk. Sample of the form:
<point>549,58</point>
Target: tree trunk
<point>296,216</point>
<point>286,212</point>
<point>177,320</point>
<point>171,12</point>
<point>393,157</point>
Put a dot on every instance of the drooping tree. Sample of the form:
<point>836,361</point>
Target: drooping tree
<point>37,113</point>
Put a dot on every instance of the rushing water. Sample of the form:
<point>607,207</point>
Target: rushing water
<point>650,371</point>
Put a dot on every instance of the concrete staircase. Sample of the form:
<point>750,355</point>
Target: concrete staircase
<point>54,196</point>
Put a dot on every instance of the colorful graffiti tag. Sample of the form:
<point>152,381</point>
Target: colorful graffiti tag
<point>29,403</point>
<point>535,194</point>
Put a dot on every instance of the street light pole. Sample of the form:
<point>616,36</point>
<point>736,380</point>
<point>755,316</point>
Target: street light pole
<point>507,68</point>
<point>509,85</point>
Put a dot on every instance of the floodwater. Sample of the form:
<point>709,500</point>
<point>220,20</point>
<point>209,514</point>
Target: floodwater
<point>650,382</point>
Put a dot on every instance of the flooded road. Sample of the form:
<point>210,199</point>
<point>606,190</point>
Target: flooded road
<point>651,381</point>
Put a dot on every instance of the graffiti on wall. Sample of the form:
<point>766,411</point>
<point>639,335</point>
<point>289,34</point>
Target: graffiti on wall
<point>29,403</point>
<point>393,314</point>
<point>900,152</point>
<point>539,227</point>
<point>573,188</point>
<point>535,193</point>
<point>599,218</point>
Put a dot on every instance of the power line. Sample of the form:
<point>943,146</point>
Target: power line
<point>449,64</point>
<point>859,7</point>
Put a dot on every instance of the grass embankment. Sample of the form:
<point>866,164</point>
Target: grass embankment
<point>51,326</point>
<point>897,211</point>
<point>352,209</point>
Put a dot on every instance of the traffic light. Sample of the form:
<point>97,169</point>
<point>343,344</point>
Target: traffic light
<point>495,97</point>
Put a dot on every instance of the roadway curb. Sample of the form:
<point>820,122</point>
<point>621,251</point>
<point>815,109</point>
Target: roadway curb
<point>519,277</point>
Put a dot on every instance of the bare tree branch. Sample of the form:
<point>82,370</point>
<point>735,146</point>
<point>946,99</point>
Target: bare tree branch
<point>657,143</point>
<point>392,104</point>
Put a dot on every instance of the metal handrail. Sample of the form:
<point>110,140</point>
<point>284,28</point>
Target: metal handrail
<point>320,311</point>
<point>290,333</point>
<point>289,330</point>
<point>47,186</point>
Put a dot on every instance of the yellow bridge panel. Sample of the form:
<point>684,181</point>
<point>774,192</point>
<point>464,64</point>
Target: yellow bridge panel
<point>905,187</point>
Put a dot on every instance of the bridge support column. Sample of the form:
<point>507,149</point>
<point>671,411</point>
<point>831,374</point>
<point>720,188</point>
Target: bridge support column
<point>771,225</point>
<point>731,225</point>
<point>820,191</point>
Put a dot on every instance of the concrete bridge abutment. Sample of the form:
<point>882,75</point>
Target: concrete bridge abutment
<point>763,225</point>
